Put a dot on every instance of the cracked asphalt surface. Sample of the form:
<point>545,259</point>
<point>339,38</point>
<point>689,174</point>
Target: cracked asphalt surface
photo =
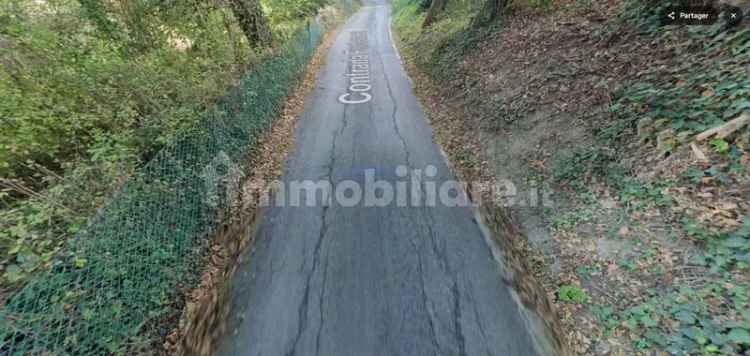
<point>333,280</point>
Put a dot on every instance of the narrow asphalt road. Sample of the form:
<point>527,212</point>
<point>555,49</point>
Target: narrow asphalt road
<point>334,280</point>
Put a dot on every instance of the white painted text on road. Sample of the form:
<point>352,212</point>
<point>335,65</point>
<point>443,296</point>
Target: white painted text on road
<point>359,72</point>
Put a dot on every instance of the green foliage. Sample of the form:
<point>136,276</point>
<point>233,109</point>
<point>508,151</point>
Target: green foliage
<point>88,93</point>
<point>682,320</point>
<point>107,290</point>
<point>637,195</point>
<point>724,251</point>
<point>573,218</point>
<point>74,76</point>
<point>571,293</point>
<point>581,166</point>
<point>720,145</point>
<point>282,13</point>
<point>607,318</point>
<point>707,317</point>
<point>708,86</point>
<point>90,90</point>
<point>73,73</point>
<point>644,14</point>
<point>439,48</point>
<point>576,165</point>
<point>534,3</point>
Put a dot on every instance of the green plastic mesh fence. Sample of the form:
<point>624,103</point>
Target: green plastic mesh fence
<point>116,284</point>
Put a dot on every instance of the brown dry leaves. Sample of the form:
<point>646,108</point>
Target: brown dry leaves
<point>557,70</point>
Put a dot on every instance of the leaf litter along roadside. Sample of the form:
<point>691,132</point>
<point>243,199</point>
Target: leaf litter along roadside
<point>644,249</point>
<point>201,322</point>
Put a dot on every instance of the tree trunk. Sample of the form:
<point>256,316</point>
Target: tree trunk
<point>424,5</point>
<point>435,7</point>
<point>252,21</point>
<point>496,7</point>
<point>491,11</point>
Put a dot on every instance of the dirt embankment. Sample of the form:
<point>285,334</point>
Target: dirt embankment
<point>642,244</point>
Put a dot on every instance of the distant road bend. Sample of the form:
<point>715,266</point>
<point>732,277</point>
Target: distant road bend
<point>333,280</point>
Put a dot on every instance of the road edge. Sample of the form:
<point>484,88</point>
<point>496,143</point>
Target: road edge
<point>507,242</point>
<point>207,307</point>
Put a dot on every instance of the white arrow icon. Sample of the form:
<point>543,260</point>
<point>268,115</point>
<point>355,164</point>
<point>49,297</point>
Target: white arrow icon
<point>671,15</point>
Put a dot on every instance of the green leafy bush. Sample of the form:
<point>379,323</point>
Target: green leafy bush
<point>109,290</point>
<point>571,293</point>
<point>111,113</point>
